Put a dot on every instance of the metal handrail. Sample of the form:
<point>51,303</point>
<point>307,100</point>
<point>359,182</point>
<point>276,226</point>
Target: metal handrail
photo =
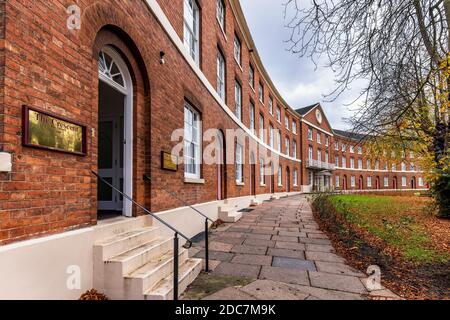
<point>145,209</point>
<point>175,238</point>
<point>148,178</point>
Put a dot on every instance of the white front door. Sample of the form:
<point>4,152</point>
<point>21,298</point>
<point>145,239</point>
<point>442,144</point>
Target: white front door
<point>110,162</point>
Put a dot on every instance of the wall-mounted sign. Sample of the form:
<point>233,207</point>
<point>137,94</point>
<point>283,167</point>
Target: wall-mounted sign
<point>48,131</point>
<point>169,161</point>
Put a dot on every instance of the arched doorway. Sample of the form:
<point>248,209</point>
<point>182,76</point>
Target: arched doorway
<point>394,183</point>
<point>413,183</point>
<point>361,183</point>
<point>288,179</point>
<point>115,134</point>
<point>344,182</point>
<point>377,183</point>
<point>253,174</point>
<point>220,167</point>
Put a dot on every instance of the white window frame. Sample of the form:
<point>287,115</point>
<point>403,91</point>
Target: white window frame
<point>261,127</point>
<point>286,120</point>
<point>352,149</point>
<point>252,117</point>
<point>360,164</point>
<point>238,100</point>
<point>270,105</point>
<point>262,176</point>
<point>386,182</point>
<point>220,14</point>
<point>295,178</point>
<point>344,162</point>
<point>193,136</point>
<point>280,176</point>
<point>261,92</point>
<point>353,181</point>
<point>421,182</point>
<point>310,134</point>
<point>337,181</point>
<point>294,149</point>
<point>404,181</point>
<point>271,136</point>
<point>251,76</point>
<point>192,29</point>
<point>239,162</point>
<point>237,50</point>
<point>319,137</point>
<point>279,140</point>
<point>287,145</point>
<point>352,163</point>
<point>360,150</point>
<point>294,127</point>
<point>221,75</point>
<point>369,182</point>
<point>279,114</point>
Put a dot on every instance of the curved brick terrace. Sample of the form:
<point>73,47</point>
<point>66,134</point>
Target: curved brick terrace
<point>281,253</point>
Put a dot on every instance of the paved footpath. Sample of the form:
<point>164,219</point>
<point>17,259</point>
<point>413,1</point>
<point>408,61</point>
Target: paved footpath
<point>278,246</point>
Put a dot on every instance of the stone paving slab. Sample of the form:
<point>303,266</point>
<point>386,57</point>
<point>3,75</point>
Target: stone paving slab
<point>323,256</point>
<point>337,268</point>
<point>337,282</point>
<point>239,270</point>
<point>259,242</point>
<point>249,249</point>
<point>280,246</point>
<point>220,246</point>
<point>252,259</point>
<point>290,245</point>
<point>232,294</point>
<point>298,264</point>
<point>216,255</point>
<point>319,248</point>
<point>270,290</point>
<point>284,275</point>
<point>287,253</point>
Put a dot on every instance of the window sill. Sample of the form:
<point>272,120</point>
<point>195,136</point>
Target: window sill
<point>280,186</point>
<point>262,185</point>
<point>240,184</point>
<point>194,181</point>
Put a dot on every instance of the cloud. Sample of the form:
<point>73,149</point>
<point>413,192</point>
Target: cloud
<point>299,81</point>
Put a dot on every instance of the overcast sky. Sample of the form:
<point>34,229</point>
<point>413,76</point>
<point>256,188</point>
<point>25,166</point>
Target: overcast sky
<point>296,78</point>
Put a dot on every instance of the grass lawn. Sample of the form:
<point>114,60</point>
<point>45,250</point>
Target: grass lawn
<point>404,222</point>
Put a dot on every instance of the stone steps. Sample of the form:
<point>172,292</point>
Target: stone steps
<point>133,261</point>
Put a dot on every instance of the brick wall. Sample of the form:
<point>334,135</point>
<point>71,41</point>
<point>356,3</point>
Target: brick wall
<point>45,65</point>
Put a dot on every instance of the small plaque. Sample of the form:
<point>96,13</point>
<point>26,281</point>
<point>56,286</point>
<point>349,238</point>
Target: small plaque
<point>48,131</point>
<point>169,161</point>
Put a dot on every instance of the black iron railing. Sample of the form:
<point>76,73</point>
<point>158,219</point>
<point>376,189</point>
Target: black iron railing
<point>207,219</point>
<point>175,238</point>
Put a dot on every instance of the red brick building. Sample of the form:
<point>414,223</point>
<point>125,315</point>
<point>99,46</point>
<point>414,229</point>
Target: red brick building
<point>337,160</point>
<point>128,74</point>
